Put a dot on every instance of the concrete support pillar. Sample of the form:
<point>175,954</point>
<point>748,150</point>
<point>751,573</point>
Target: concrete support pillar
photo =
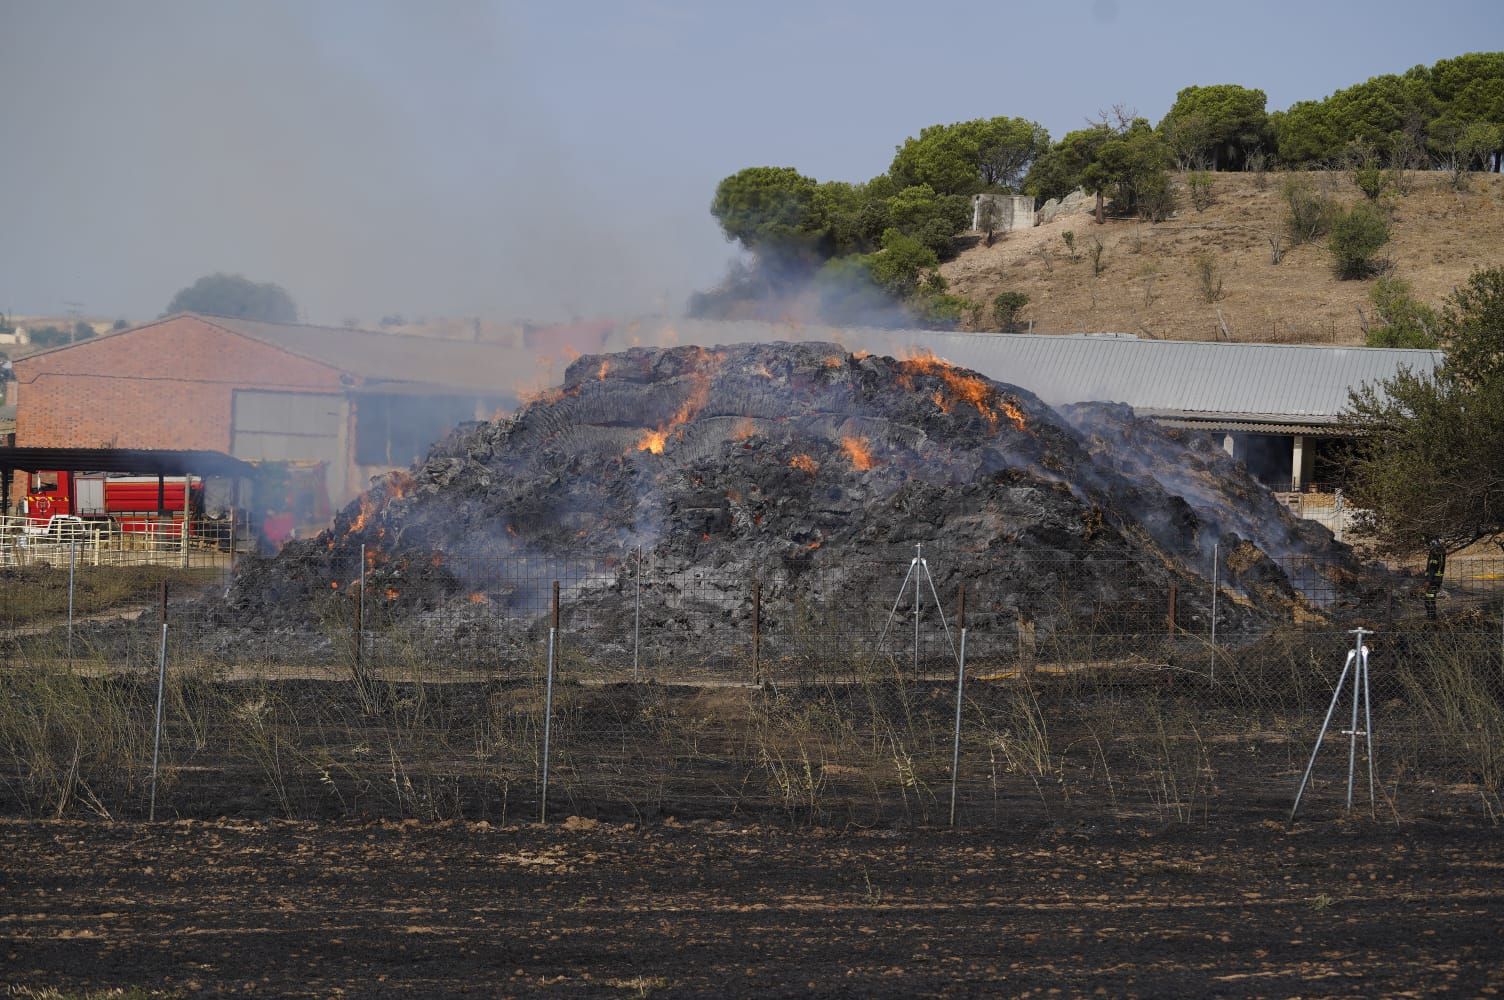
<point>1302,461</point>
<point>1230,444</point>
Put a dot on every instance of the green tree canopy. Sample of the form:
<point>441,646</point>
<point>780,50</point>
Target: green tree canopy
<point>932,218</point>
<point>1430,459</point>
<point>1127,166</point>
<point>1059,170</point>
<point>967,157</point>
<point>236,297</point>
<point>1217,125</point>
<point>772,210</point>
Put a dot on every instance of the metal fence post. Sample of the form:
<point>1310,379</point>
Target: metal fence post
<point>955,754</point>
<point>360,612</point>
<point>183,526</point>
<point>1216,546</point>
<point>72,572</point>
<point>156,741</point>
<point>637,619</point>
<point>548,705</point>
<point>757,631</point>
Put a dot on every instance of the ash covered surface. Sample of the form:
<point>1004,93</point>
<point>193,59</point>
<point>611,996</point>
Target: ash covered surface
<point>809,468</point>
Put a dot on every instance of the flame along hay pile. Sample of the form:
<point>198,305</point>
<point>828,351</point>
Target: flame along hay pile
<point>791,463</point>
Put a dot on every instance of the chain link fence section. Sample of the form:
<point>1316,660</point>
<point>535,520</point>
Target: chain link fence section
<point>824,692</point>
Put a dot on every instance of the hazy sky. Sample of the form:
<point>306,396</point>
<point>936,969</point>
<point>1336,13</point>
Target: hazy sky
<point>554,159</point>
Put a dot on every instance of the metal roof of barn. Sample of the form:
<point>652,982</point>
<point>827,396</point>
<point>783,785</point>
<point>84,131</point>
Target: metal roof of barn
<point>1280,388</point>
<point>392,360</point>
<point>140,461</point>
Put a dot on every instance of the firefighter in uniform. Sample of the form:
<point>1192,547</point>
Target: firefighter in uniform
<point>1436,567</point>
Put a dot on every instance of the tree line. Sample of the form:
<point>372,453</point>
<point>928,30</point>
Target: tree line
<point>870,252</point>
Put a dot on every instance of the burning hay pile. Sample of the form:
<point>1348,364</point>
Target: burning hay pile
<point>807,469</point>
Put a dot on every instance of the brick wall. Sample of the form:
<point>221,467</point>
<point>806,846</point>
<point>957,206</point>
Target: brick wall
<point>166,385</point>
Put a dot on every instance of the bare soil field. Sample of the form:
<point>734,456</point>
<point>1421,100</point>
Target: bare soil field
<point>1148,283</point>
<point>677,909</point>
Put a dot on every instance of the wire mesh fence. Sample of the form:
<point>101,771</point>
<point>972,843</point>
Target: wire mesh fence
<point>832,692</point>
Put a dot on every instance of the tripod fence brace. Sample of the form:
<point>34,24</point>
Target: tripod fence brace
<point>1357,662</point>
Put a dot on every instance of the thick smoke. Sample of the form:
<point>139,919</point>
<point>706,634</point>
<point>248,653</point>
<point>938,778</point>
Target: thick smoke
<point>406,160</point>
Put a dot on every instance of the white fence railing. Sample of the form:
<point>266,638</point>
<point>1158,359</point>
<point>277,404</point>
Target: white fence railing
<point>138,542</point>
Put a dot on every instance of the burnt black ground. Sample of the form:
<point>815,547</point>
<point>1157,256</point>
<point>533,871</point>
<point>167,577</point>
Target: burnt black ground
<point>579,909</point>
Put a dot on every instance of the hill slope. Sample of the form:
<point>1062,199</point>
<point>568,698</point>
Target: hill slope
<point>1150,286</point>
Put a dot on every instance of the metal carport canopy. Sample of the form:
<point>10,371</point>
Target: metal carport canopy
<point>139,461</point>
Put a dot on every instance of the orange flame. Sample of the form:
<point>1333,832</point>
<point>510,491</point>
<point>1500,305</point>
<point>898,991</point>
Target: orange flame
<point>699,394</point>
<point>604,368</point>
<point>833,361</point>
<point>812,546</point>
<point>392,593</point>
<point>652,441</point>
<point>744,429</point>
<point>959,386</point>
<point>804,464</point>
<point>1013,413</point>
<point>333,584</point>
<point>479,597</point>
<point>857,450</point>
<point>363,516</point>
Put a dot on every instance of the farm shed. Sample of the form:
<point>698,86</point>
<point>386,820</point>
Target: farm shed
<point>345,404</point>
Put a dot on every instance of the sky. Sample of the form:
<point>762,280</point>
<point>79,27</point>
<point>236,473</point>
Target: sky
<point>554,160</point>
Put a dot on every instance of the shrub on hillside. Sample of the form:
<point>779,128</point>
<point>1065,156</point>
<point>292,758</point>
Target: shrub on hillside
<point>1356,237</point>
<point>1308,215</point>
<point>1006,307</point>
<point>1406,322</point>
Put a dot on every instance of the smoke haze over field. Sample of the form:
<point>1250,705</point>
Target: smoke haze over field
<point>548,160</point>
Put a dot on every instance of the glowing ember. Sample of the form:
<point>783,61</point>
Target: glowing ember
<point>804,464</point>
<point>333,584</point>
<point>812,546</point>
<point>479,598</point>
<point>392,593</point>
<point>398,483</point>
<point>860,454</point>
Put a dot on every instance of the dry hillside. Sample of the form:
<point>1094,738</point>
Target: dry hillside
<point>1149,283</point>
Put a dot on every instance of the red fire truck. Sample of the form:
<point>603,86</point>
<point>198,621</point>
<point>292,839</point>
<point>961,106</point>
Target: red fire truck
<point>140,504</point>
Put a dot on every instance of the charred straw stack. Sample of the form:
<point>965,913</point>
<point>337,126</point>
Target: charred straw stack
<point>795,462</point>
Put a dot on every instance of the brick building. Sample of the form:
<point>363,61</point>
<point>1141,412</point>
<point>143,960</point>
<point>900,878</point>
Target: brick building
<point>349,403</point>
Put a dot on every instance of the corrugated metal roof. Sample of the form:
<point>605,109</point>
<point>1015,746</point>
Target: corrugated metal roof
<point>1279,383</point>
<point>488,369</point>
